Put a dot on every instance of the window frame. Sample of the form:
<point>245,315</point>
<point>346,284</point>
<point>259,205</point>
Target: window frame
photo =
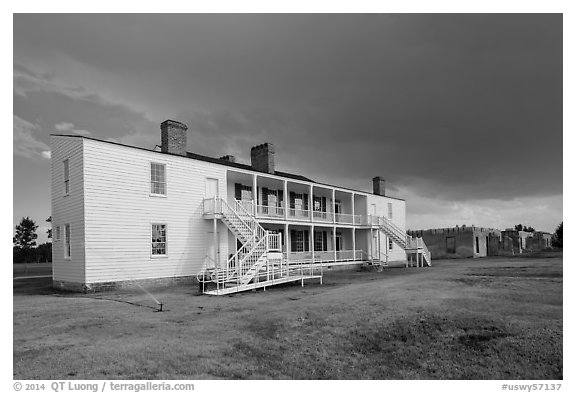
<point>57,233</point>
<point>319,237</point>
<point>153,182</point>
<point>390,210</point>
<point>246,194</point>
<point>152,242</point>
<point>67,241</point>
<point>299,241</point>
<point>66,175</point>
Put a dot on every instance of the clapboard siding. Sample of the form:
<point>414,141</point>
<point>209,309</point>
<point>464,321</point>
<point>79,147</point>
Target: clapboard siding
<point>398,218</point>
<point>68,209</point>
<point>118,234</point>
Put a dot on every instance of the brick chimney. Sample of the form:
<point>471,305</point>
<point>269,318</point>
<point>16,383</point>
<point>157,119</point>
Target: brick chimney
<point>263,158</point>
<point>228,158</point>
<point>173,137</point>
<point>378,185</point>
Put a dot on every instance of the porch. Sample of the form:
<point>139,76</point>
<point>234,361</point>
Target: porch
<point>274,199</point>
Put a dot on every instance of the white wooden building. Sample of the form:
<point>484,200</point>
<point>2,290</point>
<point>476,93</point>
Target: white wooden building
<point>122,213</point>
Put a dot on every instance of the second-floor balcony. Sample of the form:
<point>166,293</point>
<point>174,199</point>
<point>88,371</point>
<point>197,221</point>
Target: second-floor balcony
<point>298,214</point>
<point>213,205</point>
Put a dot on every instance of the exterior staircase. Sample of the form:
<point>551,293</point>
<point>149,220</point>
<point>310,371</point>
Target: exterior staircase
<point>415,247</point>
<point>258,263</point>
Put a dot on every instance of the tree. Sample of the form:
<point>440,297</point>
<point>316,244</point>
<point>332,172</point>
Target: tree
<point>44,252</point>
<point>26,235</point>
<point>24,240</point>
<point>519,227</point>
<point>557,241</point>
<point>49,231</point>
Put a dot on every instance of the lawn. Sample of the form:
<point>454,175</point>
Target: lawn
<point>497,318</point>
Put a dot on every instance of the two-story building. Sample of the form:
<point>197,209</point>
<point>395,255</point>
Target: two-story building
<point>123,213</point>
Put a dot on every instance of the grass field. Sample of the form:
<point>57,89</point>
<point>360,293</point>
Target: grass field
<point>494,318</point>
<point>31,269</point>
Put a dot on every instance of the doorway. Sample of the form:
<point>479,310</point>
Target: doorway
<point>339,243</point>
<point>211,190</point>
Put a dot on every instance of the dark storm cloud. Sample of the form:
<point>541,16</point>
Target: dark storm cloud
<point>451,106</point>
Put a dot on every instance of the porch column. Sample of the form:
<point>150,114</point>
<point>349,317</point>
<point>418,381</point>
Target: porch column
<point>312,241</point>
<point>310,203</point>
<point>334,242</point>
<point>255,193</point>
<point>353,218</point>
<point>370,244</point>
<point>379,246</point>
<point>334,207</point>
<point>353,244</point>
<point>286,204</point>
<point>287,244</point>
<point>216,245</point>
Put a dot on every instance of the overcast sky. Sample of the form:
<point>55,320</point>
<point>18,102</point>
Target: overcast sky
<point>461,114</point>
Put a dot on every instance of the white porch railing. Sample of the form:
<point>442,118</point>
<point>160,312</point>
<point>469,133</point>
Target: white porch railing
<point>274,242</point>
<point>298,214</point>
<point>327,256</point>
<point>214,206</point>
<point>211,206</point>
<point>270,211</point>
<point>320,216</point>
<point>343,218</point>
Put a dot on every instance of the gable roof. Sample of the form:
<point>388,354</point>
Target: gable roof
<point>219,161</point>
<point>213,160</point>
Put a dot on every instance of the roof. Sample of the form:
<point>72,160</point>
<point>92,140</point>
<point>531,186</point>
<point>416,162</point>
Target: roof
<point>219,161</point>
<point>213,160</point>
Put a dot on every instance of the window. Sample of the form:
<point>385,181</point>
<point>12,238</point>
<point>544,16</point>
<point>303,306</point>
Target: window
<point>66,177</point>
<point>319,204</point>
<point>67,246</point>
<point>272,198</point>
<point>245,193</point>
<point>157,179</point>
<point>450,245</point>
<point>299,241</point>
<point>57,233</point>
<point>337,206</point>
<point>477,245</point>
<point>321,241</point>
<point>298,202</point>
<point>242,192</point>
<point>158,239</point>
<point>390,244</point>
<point>389,210</point>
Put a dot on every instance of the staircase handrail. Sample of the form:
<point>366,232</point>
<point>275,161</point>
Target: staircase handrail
<point>235,213</point>
<point>240,269</point>
<point>427,252</point>
<point>397,231</point>
<point>243,269</point>
<point>256,227</point>
<point>259,237</point>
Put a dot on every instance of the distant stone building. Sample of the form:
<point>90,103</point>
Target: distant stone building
<point>460,242</point>
<point>516,242</point>
<point>540,241</point>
